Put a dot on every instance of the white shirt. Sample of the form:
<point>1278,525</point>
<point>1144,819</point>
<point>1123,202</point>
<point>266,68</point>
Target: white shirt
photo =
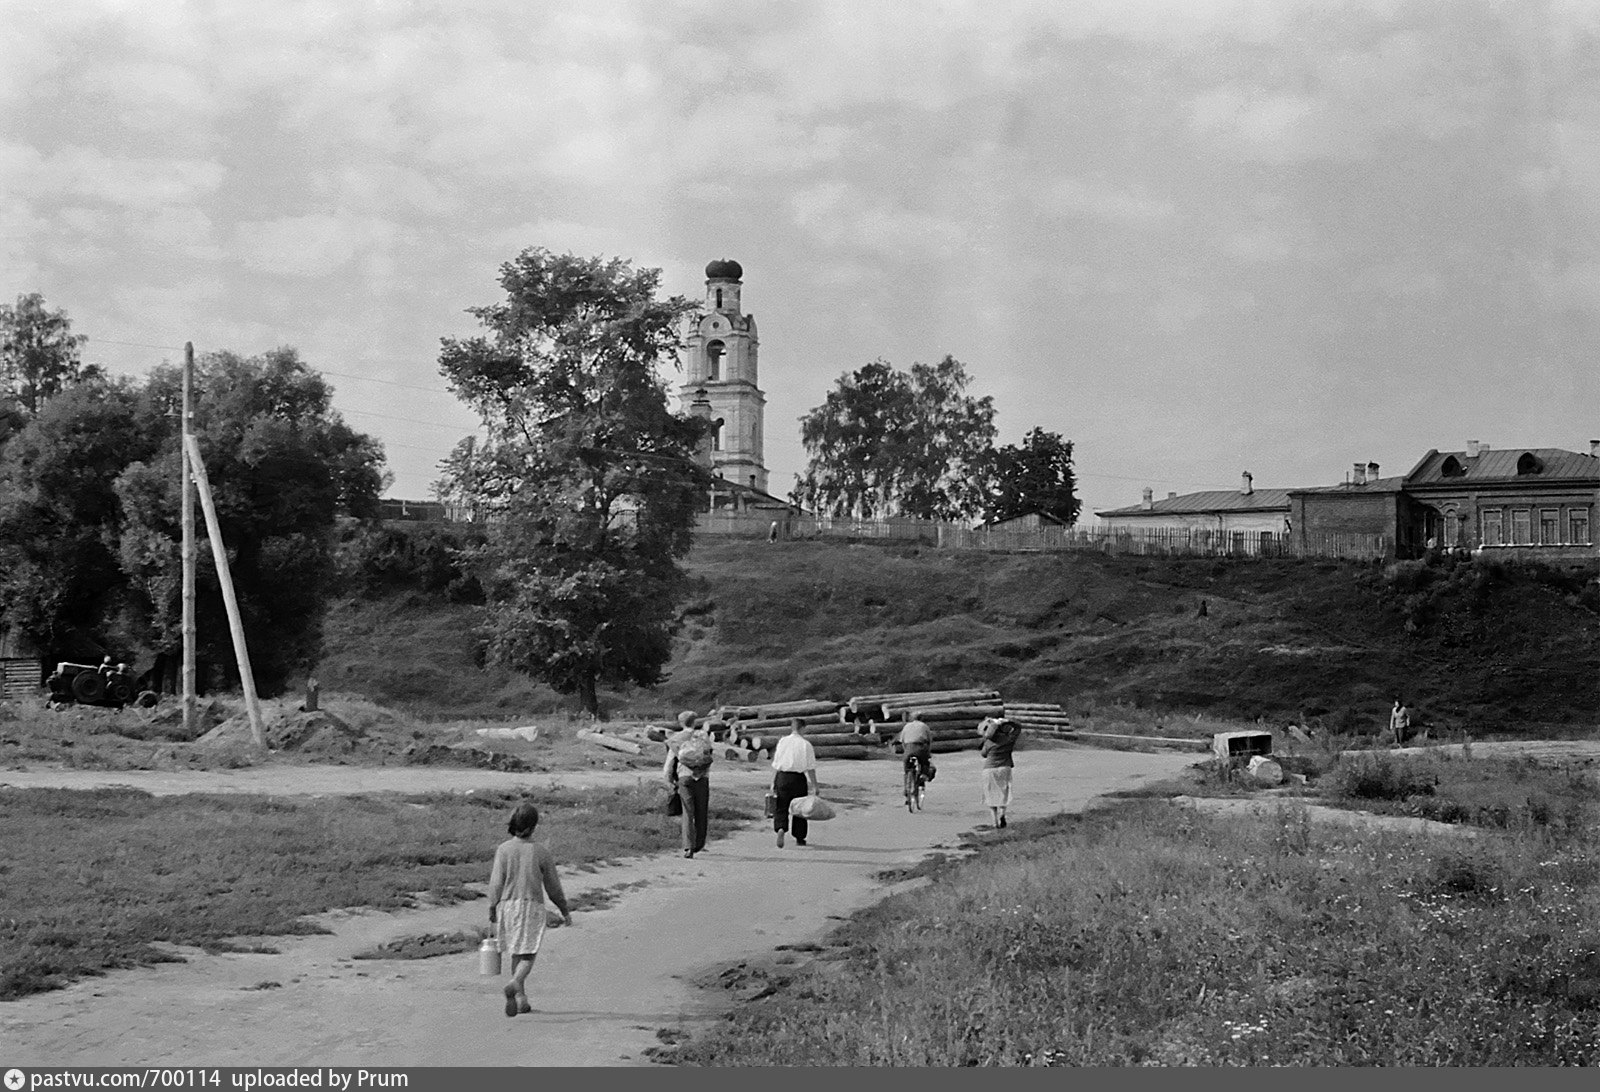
<point>794,754</point>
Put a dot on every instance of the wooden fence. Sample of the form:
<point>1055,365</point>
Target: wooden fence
<point>1151,542</point>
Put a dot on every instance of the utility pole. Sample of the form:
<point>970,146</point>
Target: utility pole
<point>191,728</point>
<point>219,554</point>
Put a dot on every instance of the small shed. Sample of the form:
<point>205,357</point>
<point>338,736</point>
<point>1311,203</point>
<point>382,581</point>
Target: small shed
<point>22,669</point>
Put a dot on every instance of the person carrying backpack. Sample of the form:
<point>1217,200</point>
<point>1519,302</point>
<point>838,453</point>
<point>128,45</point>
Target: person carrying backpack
<point>688,772</point>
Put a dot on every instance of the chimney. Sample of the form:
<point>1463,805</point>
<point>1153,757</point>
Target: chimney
<point>1358,474</point>
<point>1148,493</point>
<point>1372,472</point>
<point>1472,449</point>
<point>1244,484</point>
<point>1173,494</point>
<point>1594,447</point>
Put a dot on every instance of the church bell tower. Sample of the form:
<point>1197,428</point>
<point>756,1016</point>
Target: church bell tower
<point>720,363</point>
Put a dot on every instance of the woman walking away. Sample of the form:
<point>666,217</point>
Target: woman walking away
<point>999,738</point>
<point>794,761</point>
<point>688,773</point>
<point>523,873</point>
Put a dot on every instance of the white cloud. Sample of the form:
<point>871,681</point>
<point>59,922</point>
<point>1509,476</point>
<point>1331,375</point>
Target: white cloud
<point>1081,197</point>
<point>307,246</point>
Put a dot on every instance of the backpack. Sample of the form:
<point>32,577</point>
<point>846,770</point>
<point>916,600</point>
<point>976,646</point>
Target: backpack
<point>695,753</point>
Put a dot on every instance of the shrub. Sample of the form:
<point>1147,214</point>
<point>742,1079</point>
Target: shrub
<point>1381,777</point>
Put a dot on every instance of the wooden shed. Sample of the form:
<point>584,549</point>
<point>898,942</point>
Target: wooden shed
<point>22,669</point>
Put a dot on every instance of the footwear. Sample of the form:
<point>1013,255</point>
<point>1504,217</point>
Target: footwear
<point>688,853</point>
<point>780,839</point>
<point>799,841</point>
<point>523,1006</point>
<point>1002,822</point>
<point>511,1000</point>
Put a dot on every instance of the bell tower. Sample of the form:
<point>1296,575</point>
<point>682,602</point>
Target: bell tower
<point>719,356</point>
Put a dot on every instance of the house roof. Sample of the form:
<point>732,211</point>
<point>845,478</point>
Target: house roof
<point>1212,500</point>
<point>1500,465</point>
<point>1044,517</point>
<point>1377,485</point>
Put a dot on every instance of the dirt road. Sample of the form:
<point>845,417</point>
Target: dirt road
<point>600,989</point>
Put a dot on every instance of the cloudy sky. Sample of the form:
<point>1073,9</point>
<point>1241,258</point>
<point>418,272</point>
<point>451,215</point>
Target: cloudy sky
<point>1195,237</point>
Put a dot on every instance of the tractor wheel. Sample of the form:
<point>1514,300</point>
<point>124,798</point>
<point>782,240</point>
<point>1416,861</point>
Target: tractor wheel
<point>88,686</point>
<point>147,699</point>
<point>119,691</point>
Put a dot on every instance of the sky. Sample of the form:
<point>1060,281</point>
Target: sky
<point>1193,237</point>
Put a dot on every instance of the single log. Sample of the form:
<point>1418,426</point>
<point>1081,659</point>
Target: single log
<point>807,707</point>
<point>1159,741</point>
<point>784,722</point>
<point>954,731</point>
<point>625,745</point>
<point>945,746</point>
<point>828,753</point>
<point>1041,706</point>
<point>930,714</point>
<point>818,740</point>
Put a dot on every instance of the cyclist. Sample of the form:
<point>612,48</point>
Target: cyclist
<point>916,740</point>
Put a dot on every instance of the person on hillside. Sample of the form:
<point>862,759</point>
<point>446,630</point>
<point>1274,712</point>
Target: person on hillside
<point>688,773</point>
<point>916,741</point>
<point>794,764</point>
<point>999,739</point>
<point>1399,721</point>
<point>522,874</point>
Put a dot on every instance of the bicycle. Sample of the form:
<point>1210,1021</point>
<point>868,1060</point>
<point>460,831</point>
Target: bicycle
<point>916,778</point>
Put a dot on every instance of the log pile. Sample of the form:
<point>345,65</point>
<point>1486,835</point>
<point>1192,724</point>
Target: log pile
<point>891,706</point>
<point>757,728</point>
<point>1041,718</point>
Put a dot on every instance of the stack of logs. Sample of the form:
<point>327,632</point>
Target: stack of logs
<point>1040,718</point>
<point>759,727</point>
<point>952,716</point>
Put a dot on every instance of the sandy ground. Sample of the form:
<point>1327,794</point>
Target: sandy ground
<point>601,989</point>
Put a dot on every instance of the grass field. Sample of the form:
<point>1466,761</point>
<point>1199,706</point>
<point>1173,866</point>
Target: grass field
<point>92,881</point>
<point>1148,934</point>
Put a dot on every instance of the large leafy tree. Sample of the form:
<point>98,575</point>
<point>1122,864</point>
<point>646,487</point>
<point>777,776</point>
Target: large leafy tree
<point>90,503</point>
<point>892,443</point>
<point>39,355</point>
<point>589,472</point>
<point>1035,476</point>
<point>283,466</point>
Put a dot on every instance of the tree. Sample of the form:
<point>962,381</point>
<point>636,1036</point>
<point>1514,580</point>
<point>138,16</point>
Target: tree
<point>38,355</point>
<point>1035,477</point>
<point>89,512</point>
<point>889,443</point>
<point>283,467</point>
<point>591,475</point>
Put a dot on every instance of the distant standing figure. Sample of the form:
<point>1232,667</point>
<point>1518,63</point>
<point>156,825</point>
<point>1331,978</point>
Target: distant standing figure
<point>999,739</point>
<point>794,764</point>
<point>772,532</point>
<point>688,772</point>
<point>1399,721</point>
<point>523,873</point>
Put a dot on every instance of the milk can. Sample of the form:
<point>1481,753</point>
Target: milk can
<point>489,956</point>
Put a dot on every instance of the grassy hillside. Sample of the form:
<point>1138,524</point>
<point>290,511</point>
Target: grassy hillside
<point>1487,647</point>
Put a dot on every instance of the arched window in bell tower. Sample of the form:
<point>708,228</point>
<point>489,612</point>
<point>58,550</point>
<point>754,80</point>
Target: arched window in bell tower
<point>716,435</point>
<point>714,360</point>
<point>719,299</point>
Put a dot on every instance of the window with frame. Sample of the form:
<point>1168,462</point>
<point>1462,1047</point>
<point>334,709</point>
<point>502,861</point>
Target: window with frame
<point>1578,526</point>
<point>1492,521</point>
<point>1521,527</point>
<point>1550,527</point>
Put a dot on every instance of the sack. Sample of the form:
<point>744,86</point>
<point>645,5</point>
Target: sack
<point>769,805</point>
<point>695,753</point>
<point>674,803</point>
<point>810,807</point>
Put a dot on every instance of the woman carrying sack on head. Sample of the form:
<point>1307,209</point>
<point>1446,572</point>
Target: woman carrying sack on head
<point>794,764</point>
<point>999,739</point>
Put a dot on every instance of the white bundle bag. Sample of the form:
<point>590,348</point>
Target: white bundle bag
<point>810,807</point>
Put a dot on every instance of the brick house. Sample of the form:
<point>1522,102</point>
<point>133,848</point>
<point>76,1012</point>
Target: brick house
<point>1524,502</point>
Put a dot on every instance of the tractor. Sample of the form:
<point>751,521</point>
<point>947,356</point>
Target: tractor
<point>107,684</point>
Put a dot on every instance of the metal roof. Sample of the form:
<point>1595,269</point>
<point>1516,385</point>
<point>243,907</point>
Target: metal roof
<point>1376,485</point>
<point>1500,465</point>
<point>1212,500</point>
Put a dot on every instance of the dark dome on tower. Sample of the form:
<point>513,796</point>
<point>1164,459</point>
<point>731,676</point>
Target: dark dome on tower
<point>724,269</point>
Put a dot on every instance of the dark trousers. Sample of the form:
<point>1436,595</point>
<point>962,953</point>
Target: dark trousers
<point>695,794</point>
<point>790,786</point>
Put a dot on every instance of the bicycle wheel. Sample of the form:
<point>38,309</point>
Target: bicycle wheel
<point>916,793</point>
<point>912,790</point>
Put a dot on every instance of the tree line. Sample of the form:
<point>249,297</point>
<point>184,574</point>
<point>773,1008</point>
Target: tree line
<point>592,480</point>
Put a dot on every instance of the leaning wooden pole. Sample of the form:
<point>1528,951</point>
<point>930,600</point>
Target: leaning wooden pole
<point>191,714</point>
<point>219,553</point>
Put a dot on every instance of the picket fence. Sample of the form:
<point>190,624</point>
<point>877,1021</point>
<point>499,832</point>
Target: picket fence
<point>1152,542</point>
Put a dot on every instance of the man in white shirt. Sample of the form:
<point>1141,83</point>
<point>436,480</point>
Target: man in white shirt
<point>794,762</point>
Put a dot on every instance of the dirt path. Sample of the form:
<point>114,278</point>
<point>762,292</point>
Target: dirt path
<point>600,989</point>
